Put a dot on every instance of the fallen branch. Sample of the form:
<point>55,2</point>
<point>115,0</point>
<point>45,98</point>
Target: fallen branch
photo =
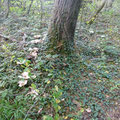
<point>6,38</point>
<point>96,13</point>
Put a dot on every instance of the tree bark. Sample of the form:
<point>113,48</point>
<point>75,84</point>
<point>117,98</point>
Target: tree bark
<point>62,28</point>
<point>30,7</point>
<point>0,3</point>
<point>8,8</point>
<point>41,10</point>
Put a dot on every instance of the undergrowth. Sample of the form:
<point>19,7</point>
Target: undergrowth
<point>83,86</point>
<point>75,87</point>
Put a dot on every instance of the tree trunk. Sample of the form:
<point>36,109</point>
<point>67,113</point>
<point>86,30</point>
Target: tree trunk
<point>8,8</point>
<point>0,3</point>
<point>30,7</point>
<point>41,10</point>
<point>62,28</point>
<point>24,5</point>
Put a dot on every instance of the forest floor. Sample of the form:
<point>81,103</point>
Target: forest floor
<point>35,85</point>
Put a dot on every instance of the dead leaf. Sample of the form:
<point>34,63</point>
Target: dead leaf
<point>22,83</point>
<point>24,75</point>
<point>36,41</point>
<point>88,110</point>
<point>39,111</point>
<point>34,54</point>
<point>37,36</point>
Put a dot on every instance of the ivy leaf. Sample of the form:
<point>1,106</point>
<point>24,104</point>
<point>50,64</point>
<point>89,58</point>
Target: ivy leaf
<point>47,117</point>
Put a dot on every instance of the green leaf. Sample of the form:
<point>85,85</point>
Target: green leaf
<point>46,117</point>
<point>33,86</point>
<point>48,56</point>
<point>56,117</point>
<point>4,93</point>
<point>82,110</point>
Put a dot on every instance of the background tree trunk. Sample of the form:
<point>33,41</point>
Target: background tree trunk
<point>30,7</point>
<point>41,9</point>
<point>62,28</point>
<point>100,5</point>
<point>8,8</point>
<point>0,3</point>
